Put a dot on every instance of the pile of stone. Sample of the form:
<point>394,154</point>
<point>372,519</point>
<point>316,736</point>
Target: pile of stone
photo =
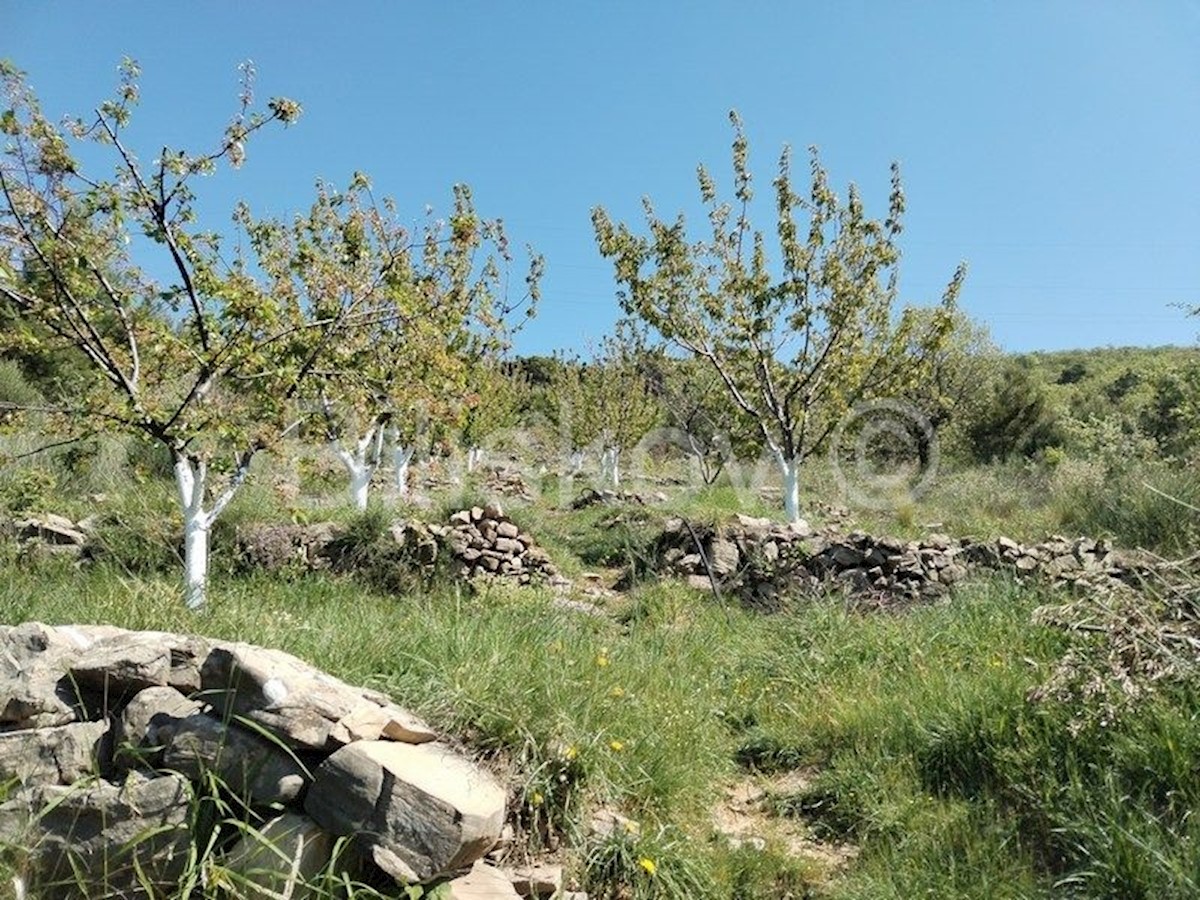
<point>1081,562</point>
<point>49,532</point>
<point>481,542</point>
<point>505,482</point>
<point>607,497</point>
<point>109,736</point>
<point>485,543</point>
<point>761,561</point>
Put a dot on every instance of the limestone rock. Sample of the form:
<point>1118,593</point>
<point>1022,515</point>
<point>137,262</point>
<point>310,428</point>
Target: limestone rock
<point>102,840</point>
<point>723,557</point>
<point>52,529</point>
<point>135,735</point>
<point>57,755</point>
<point>252,767</point>
<point>482,882</point>
<point>33,691</point>
<point>287,851</point>
<point>294,701</point>
<point>542,881</point>
<point>421,810</point>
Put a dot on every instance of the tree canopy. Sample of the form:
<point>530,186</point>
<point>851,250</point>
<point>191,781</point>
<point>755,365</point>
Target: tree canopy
<point>797,341</point>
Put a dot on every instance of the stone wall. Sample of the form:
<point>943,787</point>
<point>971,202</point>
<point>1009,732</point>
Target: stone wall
<point>481,542</point>
<point>109,736</point>
<point>762,562</point>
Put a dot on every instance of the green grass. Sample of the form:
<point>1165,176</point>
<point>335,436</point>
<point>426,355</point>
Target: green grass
<point>926,753</point>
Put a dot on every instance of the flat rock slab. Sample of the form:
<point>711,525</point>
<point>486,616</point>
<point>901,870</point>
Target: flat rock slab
<point>420,810</point>
<point>481,883</point>
<point>298,703</point>
<point>103,840</point>
<point>58,755</point>
<point>123,664</point>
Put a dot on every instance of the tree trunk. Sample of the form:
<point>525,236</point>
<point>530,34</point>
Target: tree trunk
<point>360,464</point>
<point>191,479</point>
<point>401,459</point>
<point>360,472</point>
<point>610,466</point>
<point>789,468</point>
<point>576,462</point>
<point>474,458</point>
<point>195,560</point>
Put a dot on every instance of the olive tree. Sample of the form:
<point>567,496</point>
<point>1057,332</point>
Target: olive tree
<point>205,362</point>
<point>797,341</point>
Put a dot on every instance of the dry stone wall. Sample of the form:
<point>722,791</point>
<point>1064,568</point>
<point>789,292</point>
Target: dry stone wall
<point>762,562</point>
<point>109,736</point>
<point>480,542</point>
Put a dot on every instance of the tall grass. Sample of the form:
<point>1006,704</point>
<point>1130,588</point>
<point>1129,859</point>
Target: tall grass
<point>926,752</point>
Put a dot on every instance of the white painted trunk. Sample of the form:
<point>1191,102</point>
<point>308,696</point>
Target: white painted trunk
<point>192,483</point>
<point>576,462</point>
<point>401,460</point>
<point>360,486</point>
<point>610,466</point>
<point>195,559</point>
<point>474,458</point>
<point>790,469</point>
<point>360,464</point>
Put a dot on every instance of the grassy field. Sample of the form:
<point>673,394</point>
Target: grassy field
<point>813,752</point>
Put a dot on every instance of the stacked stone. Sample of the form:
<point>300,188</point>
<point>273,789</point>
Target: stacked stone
<point>54,533</point>
<point>608,497</point>
<point>506,483</point>
<point>760,560</point>
<point>108,736</point>
<point>1065,561</point>
<point>485,543</point>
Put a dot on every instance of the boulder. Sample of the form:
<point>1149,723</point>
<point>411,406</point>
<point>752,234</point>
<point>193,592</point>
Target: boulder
<point>253,768</point>
<point>297,703</point>
<point>420,810</point>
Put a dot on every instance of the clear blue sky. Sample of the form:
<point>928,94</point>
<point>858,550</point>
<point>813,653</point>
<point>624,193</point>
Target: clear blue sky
<point>1054,146</point>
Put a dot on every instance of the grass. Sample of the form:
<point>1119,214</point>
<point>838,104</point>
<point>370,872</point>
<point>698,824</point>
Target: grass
<point>925,752</point>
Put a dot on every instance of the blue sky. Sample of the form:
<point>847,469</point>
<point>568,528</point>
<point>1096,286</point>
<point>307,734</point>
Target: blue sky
<point>1054,146</point>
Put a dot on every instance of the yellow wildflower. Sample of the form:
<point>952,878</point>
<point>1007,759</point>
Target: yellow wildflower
<point>536,798</point>
<point>648,864</point>
<point>616,746</point>
<point>571,752</point>
<point>617,691</point>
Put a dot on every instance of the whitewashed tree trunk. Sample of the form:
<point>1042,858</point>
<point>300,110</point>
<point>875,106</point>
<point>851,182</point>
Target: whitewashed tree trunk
<point>610,466</point>
<point>474,458</point>
<point>789,468</point>
<point>360,463</point>
<point>191,479</point>
<point>401,460</point>
<point>576,461</point>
